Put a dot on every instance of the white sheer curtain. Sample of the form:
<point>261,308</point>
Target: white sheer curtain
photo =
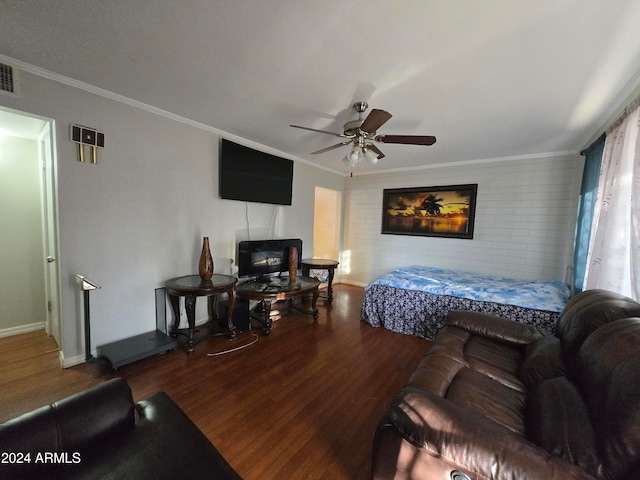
<point>613,261</point>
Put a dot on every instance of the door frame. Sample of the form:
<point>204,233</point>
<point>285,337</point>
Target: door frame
<point>45,139</point>
<point>327,205</point>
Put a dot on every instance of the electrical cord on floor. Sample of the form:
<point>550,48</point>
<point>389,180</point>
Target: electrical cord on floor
<point>235,349</point>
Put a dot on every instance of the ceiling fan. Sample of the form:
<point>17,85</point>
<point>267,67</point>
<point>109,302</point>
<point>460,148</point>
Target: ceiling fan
<point>362,132</point>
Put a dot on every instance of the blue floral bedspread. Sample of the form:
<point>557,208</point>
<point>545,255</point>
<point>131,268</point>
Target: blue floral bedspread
<point>551,296</point>
<point>416,301</point>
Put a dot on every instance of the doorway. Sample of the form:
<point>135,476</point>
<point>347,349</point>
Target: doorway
<point>30,301</point>
<point>327,219</point>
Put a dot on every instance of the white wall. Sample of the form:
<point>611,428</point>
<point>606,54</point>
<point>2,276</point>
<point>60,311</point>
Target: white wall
<point>524,224</point>
<point>137,218</point>
<point>22,294</point>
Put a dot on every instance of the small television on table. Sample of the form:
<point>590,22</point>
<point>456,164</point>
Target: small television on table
<point>262,258</point>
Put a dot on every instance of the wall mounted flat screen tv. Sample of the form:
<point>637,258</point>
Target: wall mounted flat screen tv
<point>252,176</point>
<point>260,258</point>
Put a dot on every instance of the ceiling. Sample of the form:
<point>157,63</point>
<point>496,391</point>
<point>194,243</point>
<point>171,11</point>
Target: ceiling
<point>492,79</point>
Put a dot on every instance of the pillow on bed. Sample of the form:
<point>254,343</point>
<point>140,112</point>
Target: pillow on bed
<point>542,360</point>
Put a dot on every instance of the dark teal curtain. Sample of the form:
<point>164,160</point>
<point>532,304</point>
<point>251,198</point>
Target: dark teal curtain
<point>586,204</point>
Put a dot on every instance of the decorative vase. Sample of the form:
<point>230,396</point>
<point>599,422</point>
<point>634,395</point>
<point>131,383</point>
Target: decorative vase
<point>205,267</point>
<point>293,264</point>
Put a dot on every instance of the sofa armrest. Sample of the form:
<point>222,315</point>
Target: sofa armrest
<point>89,417</point>
<point>470,442</point>
<point>165,443</point>
<point>69,426</point>
<point>493,327</point>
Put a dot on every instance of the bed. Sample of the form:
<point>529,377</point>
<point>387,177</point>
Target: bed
<point>416,300</point>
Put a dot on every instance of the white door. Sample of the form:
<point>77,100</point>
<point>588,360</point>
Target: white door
<point>49,229</point>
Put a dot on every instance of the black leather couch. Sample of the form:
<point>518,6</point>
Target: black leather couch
<point>494,399</point>
<point>100,433</point>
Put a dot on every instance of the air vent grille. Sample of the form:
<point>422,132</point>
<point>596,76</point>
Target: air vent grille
<point>8,80</point>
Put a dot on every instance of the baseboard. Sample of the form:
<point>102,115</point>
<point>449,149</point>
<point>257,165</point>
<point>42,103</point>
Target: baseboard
<point>32,327</point>
<point>354,284</point>
<point>72,361</point>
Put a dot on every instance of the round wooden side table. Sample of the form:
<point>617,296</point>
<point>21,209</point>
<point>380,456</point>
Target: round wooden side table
<point>321,264</point>
<point>191,287</point>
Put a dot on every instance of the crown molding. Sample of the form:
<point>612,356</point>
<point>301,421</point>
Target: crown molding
<point>72,82</point>
<point>41,72</point>
<point>533,156</point>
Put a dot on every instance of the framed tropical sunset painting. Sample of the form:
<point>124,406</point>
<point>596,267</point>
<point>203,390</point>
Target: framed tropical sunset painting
<point>430,211</point>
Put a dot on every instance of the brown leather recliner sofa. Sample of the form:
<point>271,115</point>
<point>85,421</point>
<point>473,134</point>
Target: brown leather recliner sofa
<point>494,399</point>
<point>100,433</point>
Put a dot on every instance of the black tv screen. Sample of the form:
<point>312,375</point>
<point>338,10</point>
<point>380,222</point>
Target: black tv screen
<point>252,176</point>
<point>262,257</point>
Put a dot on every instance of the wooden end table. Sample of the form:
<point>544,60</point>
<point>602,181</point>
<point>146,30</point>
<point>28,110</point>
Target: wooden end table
<point>191,287</point>
<point>278,289</point>
<point>321,264</point>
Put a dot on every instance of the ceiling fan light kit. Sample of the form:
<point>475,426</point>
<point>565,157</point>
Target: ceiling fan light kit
<point>370,156</point>
<point>357,154</point>
<point>361,132</point>
<point>354,157</point>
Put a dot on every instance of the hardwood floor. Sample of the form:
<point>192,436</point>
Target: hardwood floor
<point>302,402</point>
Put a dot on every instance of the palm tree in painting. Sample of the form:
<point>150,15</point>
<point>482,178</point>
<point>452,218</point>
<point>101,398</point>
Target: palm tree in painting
<point>431,204</point>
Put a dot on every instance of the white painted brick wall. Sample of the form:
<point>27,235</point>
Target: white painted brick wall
<point>524,225</point>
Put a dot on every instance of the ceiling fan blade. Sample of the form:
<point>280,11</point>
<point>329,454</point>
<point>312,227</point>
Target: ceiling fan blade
<point>375,120</point>
<point>407,139</point>
<point>319,131</point>
<point>371,146</point>
<point>322,150</point>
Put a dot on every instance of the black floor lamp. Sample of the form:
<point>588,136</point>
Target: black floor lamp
<point>86,286</point>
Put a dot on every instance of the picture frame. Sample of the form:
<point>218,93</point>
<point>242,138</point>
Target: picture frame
<point>442,211</point>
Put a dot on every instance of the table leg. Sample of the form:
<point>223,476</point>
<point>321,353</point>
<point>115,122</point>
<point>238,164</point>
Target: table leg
<point>190,307</point>
<point>329,282</point>
<point>315,311</point>
<point>212,302</point>
<point>175,307</point>
<point>267,317</point>
<point>232,305</point>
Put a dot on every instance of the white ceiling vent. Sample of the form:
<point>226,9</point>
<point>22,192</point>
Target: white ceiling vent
<point>8,79</point>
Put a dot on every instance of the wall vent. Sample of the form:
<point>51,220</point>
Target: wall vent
<point>8,79</point>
